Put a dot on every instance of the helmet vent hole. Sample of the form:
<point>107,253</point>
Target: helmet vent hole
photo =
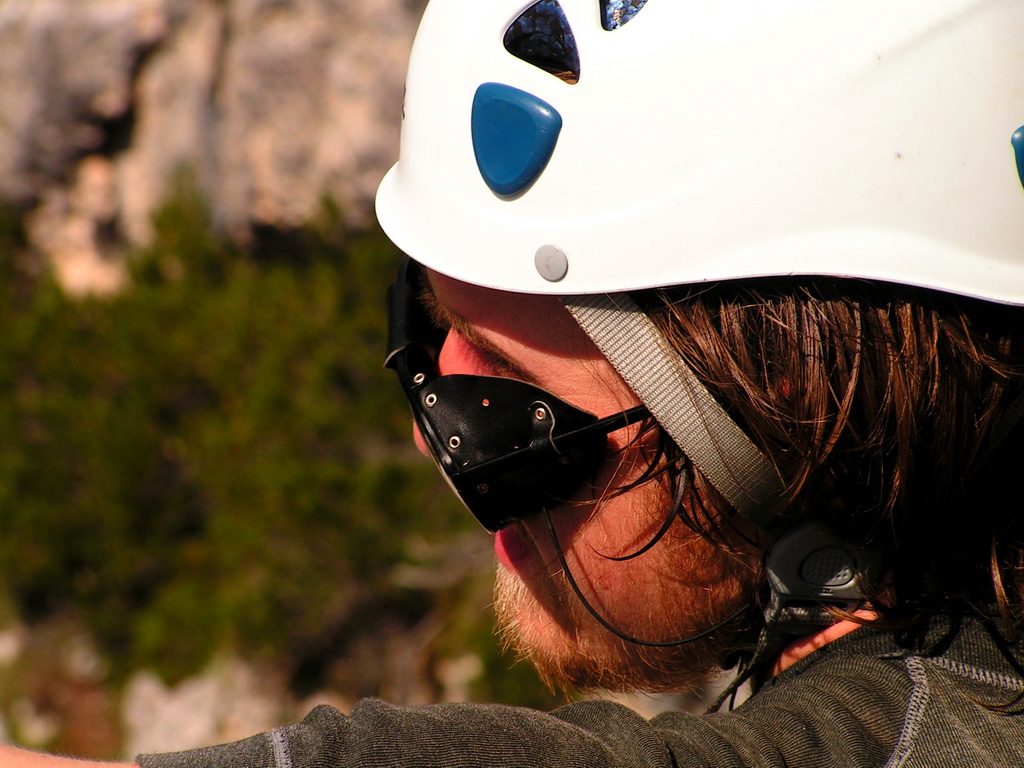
<point>616,13</point>
<point>541,36</point>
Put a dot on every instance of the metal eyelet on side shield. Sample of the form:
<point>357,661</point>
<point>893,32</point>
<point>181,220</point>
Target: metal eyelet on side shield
<point>430,400</point>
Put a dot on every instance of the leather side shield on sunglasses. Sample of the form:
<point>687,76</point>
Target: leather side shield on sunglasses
<point>508,449</point>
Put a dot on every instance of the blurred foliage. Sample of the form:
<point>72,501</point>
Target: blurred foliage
<point>214,458</point>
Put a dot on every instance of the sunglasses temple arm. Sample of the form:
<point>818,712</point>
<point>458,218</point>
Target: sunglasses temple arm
<point>602,426</point>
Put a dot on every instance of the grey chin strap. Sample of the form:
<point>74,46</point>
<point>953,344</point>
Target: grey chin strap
<point>684,408</point>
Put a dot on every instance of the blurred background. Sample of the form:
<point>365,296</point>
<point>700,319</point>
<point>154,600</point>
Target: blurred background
<point>211,514</point>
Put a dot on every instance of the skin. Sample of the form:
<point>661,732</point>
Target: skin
<point>19,758</point>
<point>680,587</point>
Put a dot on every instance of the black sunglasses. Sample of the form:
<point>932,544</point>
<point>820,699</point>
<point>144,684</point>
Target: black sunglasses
<point>508,449</point>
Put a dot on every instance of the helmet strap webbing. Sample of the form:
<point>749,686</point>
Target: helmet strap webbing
<point>684,408</point>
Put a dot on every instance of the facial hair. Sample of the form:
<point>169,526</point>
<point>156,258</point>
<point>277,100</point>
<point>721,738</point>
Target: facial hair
<point>572,651</point>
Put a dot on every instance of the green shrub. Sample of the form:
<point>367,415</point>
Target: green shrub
<point>215,458</point>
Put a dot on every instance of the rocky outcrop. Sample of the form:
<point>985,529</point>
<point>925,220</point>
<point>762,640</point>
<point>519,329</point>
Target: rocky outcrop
<point>271,105</point>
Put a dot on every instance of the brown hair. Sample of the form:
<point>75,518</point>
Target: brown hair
<point>888,412</point>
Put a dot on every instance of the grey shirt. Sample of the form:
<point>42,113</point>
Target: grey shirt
<point>947,696</point>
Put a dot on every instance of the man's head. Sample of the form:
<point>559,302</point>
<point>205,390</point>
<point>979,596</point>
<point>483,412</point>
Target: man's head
<point>878,404</point>
<point>679,587</point>
<point>775,204</point>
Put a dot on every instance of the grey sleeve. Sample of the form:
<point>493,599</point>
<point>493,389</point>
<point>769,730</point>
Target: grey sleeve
<point>379,735</point>
<point>817,721</point>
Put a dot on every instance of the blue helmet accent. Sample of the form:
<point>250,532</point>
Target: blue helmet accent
<point>514,135</point>
<point>1018,146</point>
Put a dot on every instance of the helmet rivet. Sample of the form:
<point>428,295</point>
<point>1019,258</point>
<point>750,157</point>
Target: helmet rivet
<point>454,442</point>
<point>483,488</point>
<point>551,263</point>
<point>419,378</point>
<point>540,414</point>
<point>430,400</point>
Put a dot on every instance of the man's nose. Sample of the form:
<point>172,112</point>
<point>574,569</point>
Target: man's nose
<point>458,355</point>
<point>417,438</point>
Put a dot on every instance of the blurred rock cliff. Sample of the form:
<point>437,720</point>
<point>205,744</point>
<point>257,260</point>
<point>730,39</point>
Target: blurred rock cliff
<point>272,105</point>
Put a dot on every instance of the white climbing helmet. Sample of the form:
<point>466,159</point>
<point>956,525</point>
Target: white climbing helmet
<point>590,146</point>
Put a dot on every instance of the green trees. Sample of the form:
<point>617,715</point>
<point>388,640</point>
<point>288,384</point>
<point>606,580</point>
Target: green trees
<point>215,459</point>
